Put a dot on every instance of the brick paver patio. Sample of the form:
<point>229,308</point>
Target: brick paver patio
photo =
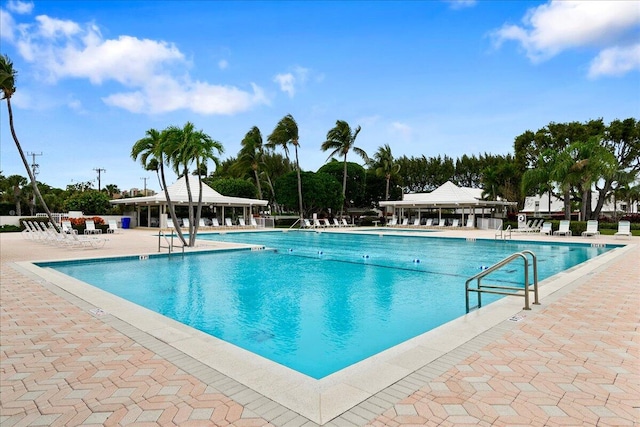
<point>574,361</point>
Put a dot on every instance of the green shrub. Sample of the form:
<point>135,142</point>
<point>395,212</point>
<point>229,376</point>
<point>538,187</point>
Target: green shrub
<point>9,228</point>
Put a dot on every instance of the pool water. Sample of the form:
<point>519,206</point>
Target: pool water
<point>318,302</point>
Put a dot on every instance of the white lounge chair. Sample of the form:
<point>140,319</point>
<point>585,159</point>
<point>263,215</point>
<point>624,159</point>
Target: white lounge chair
<point>442,222</point>
<point>345,223</point>
<point>336,223</point>
<point>392,222</point>
<point>253,223</point>
<point>563,229</point>
<point>306,223</point>
<point>185,222</point>
<point>113,226</point>
<point>317,224</point>
<point>202,223</point>
<point>470,222</point>
<point>241,223</point>
<point>455,223</point>
<point>546,229</point>
<point>326,223</point>
<point>405,222</point>
<point>624,229</point>
<point>416,222</point>
<point>68,228</point>
<point>228,222</point>
<point>214,222</point>
<point>91,227</point>
<point>592,229</point>
<point>429,222</point>
<point>170,223</point>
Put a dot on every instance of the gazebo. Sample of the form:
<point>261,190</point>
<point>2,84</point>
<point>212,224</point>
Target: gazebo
<point>179,197</point>
<point>462,200</point>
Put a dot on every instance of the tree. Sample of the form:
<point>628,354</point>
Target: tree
<point>150,150</point>
<point>186,147</point>
<point>92,202</point>
<point>13,186</point>
<point>321,191</point>
<point>232,187</point>
<point>356,181</point>
<point>341,139</point>
<point>8,87</point>
<point>250,155</point>
<point>112,190</point>
<point>385,166</point>
<point>285,134</point>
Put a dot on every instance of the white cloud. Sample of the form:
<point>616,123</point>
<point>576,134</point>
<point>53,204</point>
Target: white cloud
<point>7,26</point>
<point>20,7</point>
<point>401,129</point>
<point>223,64</point>
<point>461,4</point>
<point>556,26</point>
<point>616,61</point>
<point>289,82</point>
<point>152,72</point>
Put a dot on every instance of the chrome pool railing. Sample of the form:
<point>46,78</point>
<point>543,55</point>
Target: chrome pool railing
<point>506,290</point>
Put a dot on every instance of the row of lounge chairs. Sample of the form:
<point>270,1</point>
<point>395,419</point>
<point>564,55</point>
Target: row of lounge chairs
<point>429,222</point>
<point>564,229</point>
<point>37,231</point>
<point>228,223</point>
<point>325,223</point>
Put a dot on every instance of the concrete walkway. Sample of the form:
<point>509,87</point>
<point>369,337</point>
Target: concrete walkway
<point>574,361</point>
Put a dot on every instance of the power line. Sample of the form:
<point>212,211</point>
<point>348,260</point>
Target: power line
<point>99,170</point>
<point>35,169</point>
<point>145,184</point>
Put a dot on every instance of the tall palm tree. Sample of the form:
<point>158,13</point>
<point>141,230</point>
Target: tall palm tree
<point>150,149</point>
<point>385,166</point>
<point>188,147</point>
<point>341,139</point>
<point>251,154</point>
<point>285,133</point>
<point>8,86</point>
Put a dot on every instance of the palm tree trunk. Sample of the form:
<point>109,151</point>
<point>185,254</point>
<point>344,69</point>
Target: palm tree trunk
<point>344,185</point>
<point>34,184</point>
<point>196,223</point>
<point>299,184</point>
<point>192,237</point>
<point>255,173</point>
<point>386,194</point>
<point>172,211</point>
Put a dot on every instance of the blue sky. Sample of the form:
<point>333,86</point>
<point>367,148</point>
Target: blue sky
<point>428,78</point>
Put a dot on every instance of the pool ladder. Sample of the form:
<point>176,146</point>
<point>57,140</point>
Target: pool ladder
<point>169,242</point>
<point>506,290</point>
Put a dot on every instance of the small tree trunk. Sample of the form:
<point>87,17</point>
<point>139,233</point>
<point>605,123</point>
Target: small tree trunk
<point>299,183</point>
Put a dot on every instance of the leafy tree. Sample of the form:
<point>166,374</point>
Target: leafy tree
<point>232,187</point>
<point>285,134</point>
<point>12,188</point>
<point>322,191</point>
<point>341,139</point>
<point>385,166</point>
<point>92,202</point>
<point>8,87</point>
<point>111,190</point>
<point>186,147</point>
<point>250,156</point>
<point>538,180</point>
<point>356,181</point>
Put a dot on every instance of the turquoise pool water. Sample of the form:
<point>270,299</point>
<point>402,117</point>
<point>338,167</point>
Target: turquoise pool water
<point>317,302</point>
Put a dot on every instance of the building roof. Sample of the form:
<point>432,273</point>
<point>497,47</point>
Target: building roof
<point>448,195</point>
<point>179,196</point>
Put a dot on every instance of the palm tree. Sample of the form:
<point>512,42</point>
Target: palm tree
<point>539,179</point>
<point>251,154</point>
<point>186,147</point>
<point>8,87</point>
<point>150,149</point>
<point>342,139</point>
<point>285,133</point>
<point>385,166</point>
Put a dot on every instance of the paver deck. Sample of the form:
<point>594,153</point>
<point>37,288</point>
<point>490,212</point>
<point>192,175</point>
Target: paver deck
<point>573,361</point>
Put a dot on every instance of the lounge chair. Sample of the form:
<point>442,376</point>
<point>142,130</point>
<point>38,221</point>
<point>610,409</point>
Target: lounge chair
<point>306,223</point>
<point>253,222</point>
<point>546,229</point>
<point>113,226</point>
<point>564,229</point>
<point>405,222</point>
<point>170,223</point>
<point>470,222</point>
<point>202,223</point>
<point>185,222</point>
<point>241,223</point>
<point>392,222</point>
<point>429,222</point>
<point>326,223</point>
<point>592,229</point>
<point>336,223</point>
<point>416,222</point>
<point>228,222</point>
<point>317,224</point>
<point>624,229</point>
<point>345,223</point>
<point>442,222</point>
<point>91,227</point>
<point>214,222</point>
<point>68,228</point>
<point>455,223</point>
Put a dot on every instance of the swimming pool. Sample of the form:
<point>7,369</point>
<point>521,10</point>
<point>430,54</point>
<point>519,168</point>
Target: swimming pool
<point>317,302</point>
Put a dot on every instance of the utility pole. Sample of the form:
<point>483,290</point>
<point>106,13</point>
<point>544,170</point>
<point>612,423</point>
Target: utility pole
<point>35,168</point>
<point>99,170</point>
<point>145,184</point>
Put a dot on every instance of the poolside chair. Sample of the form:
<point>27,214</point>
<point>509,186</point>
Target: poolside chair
<point>346,224</point>
<point>306,223</point>
<point>546,229</point>
<point>326,223</point>
<point>253,222</point>
<point>241,223</point>
<point>228,222</point>
<point>392,222</point>
<point>170,223</point>
<point>470,222</point>
<point>91,227</point>
<point>405,222</point>
<point>214,222</point>
<point>336,223</point>
<point>317,224</point>
<point>113,226</point>
<point>68,228</point>
<point>185,222</point>
<point>592,229</point>
<point>624,229</point>
<point>416,222</point>
<point>202,223</point>
<point>564,229</point>
<point>429,222</point>
<point>442,222</point>
<point>455,223</point>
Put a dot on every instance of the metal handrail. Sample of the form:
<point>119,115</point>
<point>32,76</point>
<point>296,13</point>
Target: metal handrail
<point>503,234</point>
<point>503,290</point>
<point>170,244</point>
